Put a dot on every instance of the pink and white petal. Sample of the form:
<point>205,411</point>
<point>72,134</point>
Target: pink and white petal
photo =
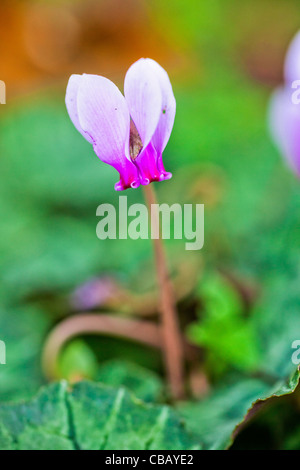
<point>144,98</point>
<point>168,110</point>
<point>292,61</point>
<point>284,117</point>
<point>103,114</point>
<point>71,104</point>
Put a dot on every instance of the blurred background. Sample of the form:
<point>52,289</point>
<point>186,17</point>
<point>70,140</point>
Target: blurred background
<point>239,298</point>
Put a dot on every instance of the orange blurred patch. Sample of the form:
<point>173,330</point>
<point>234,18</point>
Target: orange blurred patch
<point>45,43</point>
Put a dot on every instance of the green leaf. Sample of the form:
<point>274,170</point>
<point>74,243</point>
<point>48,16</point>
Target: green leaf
<point>90,417</point>
<point>143,383</point>
<point>77,360</point>
<point>41,424</point>
<point>222,329</point>
<point>113,419</point>
<point>23,330</point>
<point>277,323</point>
<point>216,419</point>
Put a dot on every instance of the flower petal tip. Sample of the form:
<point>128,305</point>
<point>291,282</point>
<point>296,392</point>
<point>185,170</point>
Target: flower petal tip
<point>165,176</point>
<point>135,184</point>
<point>145,181</point>
<point>120,186</point>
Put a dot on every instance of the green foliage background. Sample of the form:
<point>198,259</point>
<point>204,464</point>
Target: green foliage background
<point>220,154</point>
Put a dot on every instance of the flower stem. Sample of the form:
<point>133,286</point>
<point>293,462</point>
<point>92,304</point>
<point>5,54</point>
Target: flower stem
<point>172,340</point>
<point>143,332</point>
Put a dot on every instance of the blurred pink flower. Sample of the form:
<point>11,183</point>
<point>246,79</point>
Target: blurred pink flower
<point>128,133</point>
<point>94,293</point>
<point>284,112</point>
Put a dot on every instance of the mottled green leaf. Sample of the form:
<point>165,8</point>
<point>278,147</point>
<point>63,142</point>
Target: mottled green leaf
<point>143,383</point>
<point>90,417</point>
<point>216,419</point>
<point>41,424</point>
<point>112,419</point>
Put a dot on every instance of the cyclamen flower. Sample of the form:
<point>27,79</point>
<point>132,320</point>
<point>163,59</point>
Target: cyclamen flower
<point>128,133</point>
<point>285,109</point>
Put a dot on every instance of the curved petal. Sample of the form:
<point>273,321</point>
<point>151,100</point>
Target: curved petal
<point>144,98</point>
<point>168,110</point>
<point>152,106</point>
<point>292,61</point>
<point>71,104</point>
<point>285,126</point>
<point>103,114</point>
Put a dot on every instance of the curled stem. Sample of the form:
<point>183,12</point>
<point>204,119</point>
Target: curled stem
<point>172,341</point>
<point>94,324</point>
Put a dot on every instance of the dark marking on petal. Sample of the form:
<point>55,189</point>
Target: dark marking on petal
<point>135,141</point>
